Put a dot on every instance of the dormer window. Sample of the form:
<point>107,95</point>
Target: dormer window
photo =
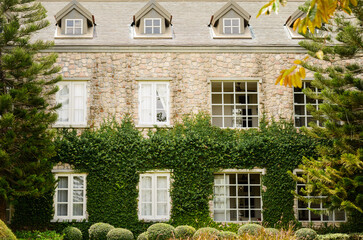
<point>231,21</point>
<point>289,25</point>
<point>74,21</point>
<point>231,26</point>
<point>152,25</point>
<point>152,21</point>
<point>74,27</point>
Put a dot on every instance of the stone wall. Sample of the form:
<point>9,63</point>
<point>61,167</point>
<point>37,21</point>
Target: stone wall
<point>113,85</point>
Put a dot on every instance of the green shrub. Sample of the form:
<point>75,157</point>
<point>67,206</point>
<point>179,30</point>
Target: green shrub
<point>334,236</point>
<point>160,231</point>
<point>356,236</point>
<point>5,232</point>
<point>98,231</point>
<point>227,235</point>
<point>72,233</point>
<point>120,234</point>
<point>37,235</point>
<point>206,233</point>
<point>250,228</point>
<point>184,232</point>
<point>306,234</point>
<point>271,231</point>
<point>142,236</point>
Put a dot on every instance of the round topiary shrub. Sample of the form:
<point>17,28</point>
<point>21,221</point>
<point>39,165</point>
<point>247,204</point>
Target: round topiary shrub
<point>5,232</point>
<point>306,234</point>
<point>98,231</point>
<point>250,228</point>
<point>184,232</point>
<point>142,236</point>
<point>271,231</point>
<point>120,234</point>
<point>160,231</point>
<point>227,235</point>
<point>206,233</point>
<point>72,233</point>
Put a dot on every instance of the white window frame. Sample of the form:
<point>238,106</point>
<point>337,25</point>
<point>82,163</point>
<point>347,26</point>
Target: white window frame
<point>226,172</point>
<point>240,120</point>
<point>152,25</point>
<point>73,27</point>
<point>154,216</point>
<point>70,197</point>
<point>71,107</point>
<point>154,109</point>
<point>299,184</point>
<point>304,116</point>
<point>231,27</point>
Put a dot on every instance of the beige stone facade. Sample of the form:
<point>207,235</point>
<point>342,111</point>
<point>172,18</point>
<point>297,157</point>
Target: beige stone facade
<point>113,80</point>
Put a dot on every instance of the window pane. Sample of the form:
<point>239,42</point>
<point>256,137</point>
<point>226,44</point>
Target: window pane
<point>240,87</point>
<point>62,182</point>
<point>148,22</point>
<point>228,98</point>
<point>216,98</point>
<point>228,86</point>
<point>339,215</point>
<point>235,30</point>
<point>216,87</point>
<point>255,178</point>
<point>78,196</point>
<point>157,22</point>
<point>162,182</point>
<point>62,210</point>
<point>255,191</point>
<point>78,23</point>
<point>162,209</point>
<point>227,22</point>
<point>78,31</point>
<point>69,31</point>
<point>78,182</point>
<point>217,110</point>
<point>303,215</point>
<point>62,196</point>
<point>162,196</point>
<point>235,22</point>
<point>157,30</point>
<point>148,30</point>
<point>146,209</point>
<point>231,215</point>
<point>217,121</point>
<point>77,209</point>
<point>146,182</point>
<point>146,196</point>
<point>161,116</point>
<point>227,30</point>
<point>70,23</point>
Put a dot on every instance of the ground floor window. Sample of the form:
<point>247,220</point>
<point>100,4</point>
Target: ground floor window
<point>154,196</point>
<point>237,197</point>
<point>70,197</point>
<point>305,211</point>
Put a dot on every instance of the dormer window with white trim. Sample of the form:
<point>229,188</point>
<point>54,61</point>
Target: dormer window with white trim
<point>152,25</point>
<point>74,27</point>
<point>231,26</point>
<point>74,21</point>
<point>294,34</point>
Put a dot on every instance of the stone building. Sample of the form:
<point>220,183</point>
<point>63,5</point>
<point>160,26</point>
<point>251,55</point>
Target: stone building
<point>161,60</point>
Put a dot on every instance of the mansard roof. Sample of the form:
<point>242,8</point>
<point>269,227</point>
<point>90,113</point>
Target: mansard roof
<point>152,4</point>
<point>77,6</point>
<point>297,14</point>
<point>231,5</point>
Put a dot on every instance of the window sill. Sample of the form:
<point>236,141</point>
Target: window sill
<point>153,37</point>
<point>70,126</point>
<point>154,219</point>
<point>153,126</point>
<point>69,220</point>
<point>73,37</point>
<point>233,37</point>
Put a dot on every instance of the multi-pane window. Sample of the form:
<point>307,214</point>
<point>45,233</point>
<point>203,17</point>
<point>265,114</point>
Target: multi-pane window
<point>152,25</point>
<point>237,197</point>
<point>74,27</point>
<point>154,103</point>
<point>154,198</point>
<point>301,115</point>
<point>231,26</point>
<point>72,96</point>
<point>304,209</point>
<point>70,197</point>
<point>235,104</point>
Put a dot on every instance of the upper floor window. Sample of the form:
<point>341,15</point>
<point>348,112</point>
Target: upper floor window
<point>152,25</point>
<point>301,115</point>
<point>70,197</point>
<point>154,197</point>
<point>305,211</point>
<point>235,104</point>
<point>231,25</point>
<point>73,97</point>
<point>237,197</point>
<point>74,26</point>
<point>154,103</point>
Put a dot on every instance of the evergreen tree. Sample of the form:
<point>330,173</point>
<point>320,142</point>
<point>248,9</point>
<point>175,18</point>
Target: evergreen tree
<point>26,84</point>
<point>338,172</point>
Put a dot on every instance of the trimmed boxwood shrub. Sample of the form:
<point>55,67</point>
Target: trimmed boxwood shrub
<point>120,234</point>
<point>142,236</point>
<point>184,232</point>
<point>5,232</point>
<point>271,231</point>
<point>160,231</point>
<point>334,236</point>
<point>356,236</point>
<point>72,233</point>
<point>98,231</point>
<point>250,228</point>
<point>306,234</point>
<point>227,235</point>
<point>206,233</point>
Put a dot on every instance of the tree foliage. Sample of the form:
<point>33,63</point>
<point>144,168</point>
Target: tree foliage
<point>26,83</point>
<point>338,172</point>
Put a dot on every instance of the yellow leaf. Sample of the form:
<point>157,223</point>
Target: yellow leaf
<point>320,54</point>
<point>296,23</point>
<point>298,81</point>
<point>305,58</point>
<point>302,73</point>
<point>285,81</point>
<point>289,80</point>
<point>354,2</point>
<point>293,78</point>
<point>278,79</point>
<point>297,61</point>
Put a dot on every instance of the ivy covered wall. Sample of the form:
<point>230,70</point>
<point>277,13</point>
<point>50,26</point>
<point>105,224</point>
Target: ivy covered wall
<point>114,155</point>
